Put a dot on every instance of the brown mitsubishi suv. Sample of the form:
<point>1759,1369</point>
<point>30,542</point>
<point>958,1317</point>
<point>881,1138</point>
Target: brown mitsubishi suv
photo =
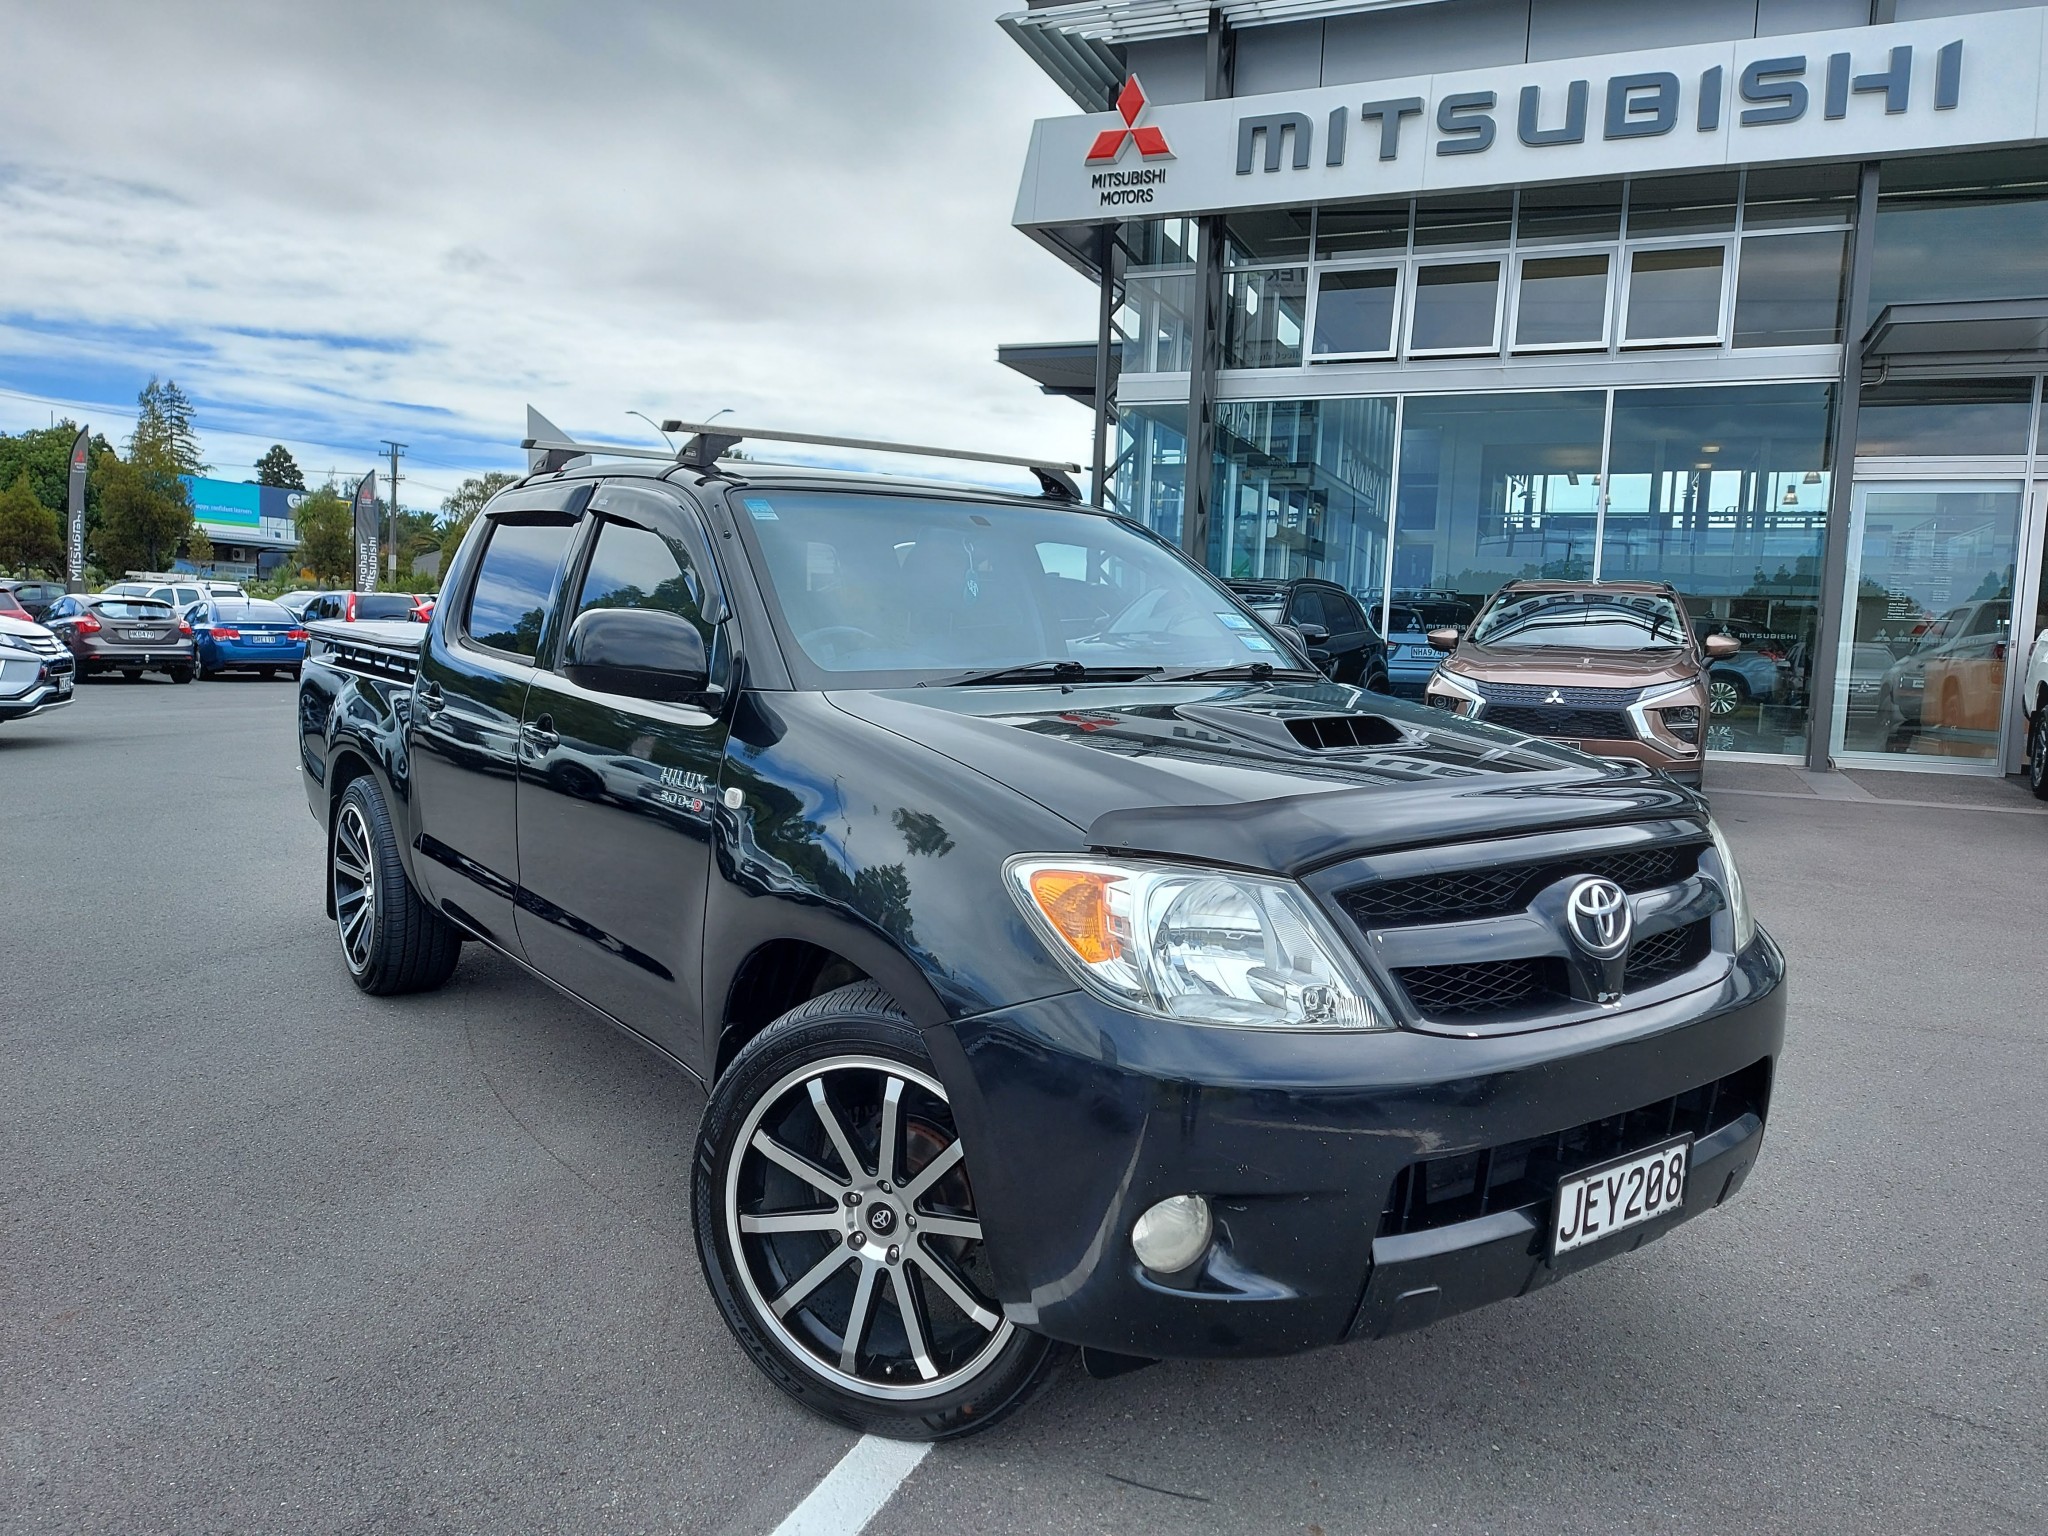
<point>1610,667</point>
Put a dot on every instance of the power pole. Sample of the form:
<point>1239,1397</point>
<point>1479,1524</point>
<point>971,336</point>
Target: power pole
<point>397,451</point>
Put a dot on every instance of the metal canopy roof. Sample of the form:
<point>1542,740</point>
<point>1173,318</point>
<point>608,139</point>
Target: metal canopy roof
<point>1077,43</point>
<point>2015,329</point>
<point>1058,367</point>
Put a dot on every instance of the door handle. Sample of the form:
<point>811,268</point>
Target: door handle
<point>542,733</point>
<point>430,697</point>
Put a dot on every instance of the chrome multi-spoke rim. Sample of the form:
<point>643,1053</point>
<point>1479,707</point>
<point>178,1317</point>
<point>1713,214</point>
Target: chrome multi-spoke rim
<point>1722,698</point>
<point>848,1209</point>
<point>355,888</point>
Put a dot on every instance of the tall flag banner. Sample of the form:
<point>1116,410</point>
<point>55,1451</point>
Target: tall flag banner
<point>366,533</point>
<point>74,562</point>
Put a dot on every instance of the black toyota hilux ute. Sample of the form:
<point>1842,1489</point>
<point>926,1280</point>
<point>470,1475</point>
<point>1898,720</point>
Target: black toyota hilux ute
<point>1067,963</point>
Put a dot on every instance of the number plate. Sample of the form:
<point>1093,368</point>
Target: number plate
<point>1619,1195</point>
<point>138,634</point>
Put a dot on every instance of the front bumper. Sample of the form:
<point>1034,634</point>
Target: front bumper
<point>1308,1147</point>
<point>52,693</point>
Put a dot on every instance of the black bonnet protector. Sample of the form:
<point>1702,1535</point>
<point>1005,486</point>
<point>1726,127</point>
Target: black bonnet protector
<point>1279,777</point>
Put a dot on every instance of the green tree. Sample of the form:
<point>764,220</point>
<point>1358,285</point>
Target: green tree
<point>460,510</point>
<point>44,455</point>
<point>163,428</point>
<point>199,546</point>
<point>30,538</point>
<point>145,512</point>
<point>327,536</point>
<point>277,467</point>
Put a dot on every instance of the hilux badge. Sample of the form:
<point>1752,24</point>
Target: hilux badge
<point>1597,913</point>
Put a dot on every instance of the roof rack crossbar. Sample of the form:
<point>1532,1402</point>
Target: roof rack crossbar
<point>730,435</point>
<point>707,443</point>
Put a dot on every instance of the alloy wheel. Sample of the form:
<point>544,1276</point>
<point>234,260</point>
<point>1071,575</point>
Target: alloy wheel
<point>1723,697</point>
<point>848,1207</point>
<point>355,888</point>
<point>2037,753</point>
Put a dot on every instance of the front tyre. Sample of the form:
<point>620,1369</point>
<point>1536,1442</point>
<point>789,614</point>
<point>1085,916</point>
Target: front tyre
<point>837,1227</point>
<point>391,940</point>
<point>2037,752</point>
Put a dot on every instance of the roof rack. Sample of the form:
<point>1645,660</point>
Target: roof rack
<point>707,443</point>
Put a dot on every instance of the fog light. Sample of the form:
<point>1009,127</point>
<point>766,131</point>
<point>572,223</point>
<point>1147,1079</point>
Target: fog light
<point>1172,1235</point>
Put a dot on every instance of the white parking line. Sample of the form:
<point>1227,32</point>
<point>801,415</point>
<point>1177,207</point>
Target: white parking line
<point>852,1493</point>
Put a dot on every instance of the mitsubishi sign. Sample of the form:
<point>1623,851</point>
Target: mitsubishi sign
<point>1953,82</point>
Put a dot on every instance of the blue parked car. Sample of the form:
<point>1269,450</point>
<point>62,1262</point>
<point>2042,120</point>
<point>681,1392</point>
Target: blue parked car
<point>239,634</point>
<point>1411,661</point>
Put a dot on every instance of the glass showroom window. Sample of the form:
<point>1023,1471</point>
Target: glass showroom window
<point>1724,494</point>
<point>1302,488</point>
<point>1264,315</point>
<point>1790,290</point>
<point>1561,302</point>
<point>1674,295</point>
<point>1157,318</point>
<point>1494,487</point>
<point>1945,418</point>
<point>1357,311</point>
<point>1151,466</point>
<point>1456,308</point>
<point>1960,227</point>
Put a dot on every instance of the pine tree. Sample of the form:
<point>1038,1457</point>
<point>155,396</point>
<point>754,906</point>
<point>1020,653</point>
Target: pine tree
<point>277,467</point>
<point>163,428</point>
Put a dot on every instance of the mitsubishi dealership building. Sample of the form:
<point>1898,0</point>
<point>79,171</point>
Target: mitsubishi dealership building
<point>1749,296</point>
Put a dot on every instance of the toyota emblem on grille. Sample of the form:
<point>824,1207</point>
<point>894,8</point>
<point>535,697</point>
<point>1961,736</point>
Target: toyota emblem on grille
<point>1555,696</point>
<point>1597,912</point>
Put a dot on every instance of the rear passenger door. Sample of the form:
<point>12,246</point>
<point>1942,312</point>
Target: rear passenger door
<point>618,796</point>
<point>464,732</point>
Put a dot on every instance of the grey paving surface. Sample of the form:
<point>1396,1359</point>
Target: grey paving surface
<point>274,1256</point>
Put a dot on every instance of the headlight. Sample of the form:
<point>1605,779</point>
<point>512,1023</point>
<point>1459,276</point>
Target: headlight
<point>1738,903</point>
<point>1197,945</point>
<point>1449,690</point>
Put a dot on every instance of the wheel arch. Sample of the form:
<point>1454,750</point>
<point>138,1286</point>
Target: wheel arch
<point>786,971</point>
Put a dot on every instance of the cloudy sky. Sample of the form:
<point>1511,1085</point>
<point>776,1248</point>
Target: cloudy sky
<point>340,223</point>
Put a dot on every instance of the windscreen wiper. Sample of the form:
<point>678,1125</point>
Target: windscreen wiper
<point>1256,671</point>
<point>1061,671</point>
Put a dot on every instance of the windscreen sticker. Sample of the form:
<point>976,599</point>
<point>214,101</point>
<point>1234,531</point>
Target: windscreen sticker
<point>760,509</point>
<point>1254,643</point>
<point>1234,620</point>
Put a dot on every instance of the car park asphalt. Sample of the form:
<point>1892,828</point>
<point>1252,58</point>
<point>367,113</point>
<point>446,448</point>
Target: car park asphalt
<point>278,1256</point>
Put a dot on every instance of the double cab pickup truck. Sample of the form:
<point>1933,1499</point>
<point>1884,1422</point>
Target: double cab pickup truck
<point>1067,965</point>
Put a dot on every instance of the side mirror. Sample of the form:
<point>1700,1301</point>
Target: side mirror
<point>642,653</point>
<point>1445,640</point>
<point>1721,647</point>
<point>1312,634</point>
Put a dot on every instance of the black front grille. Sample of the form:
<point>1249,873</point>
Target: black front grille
<point>1574,724</point>
<point>1470,893</point>
<point>1665,954</point>
<point>1491,986</point>
<point>1541,693</point>
<point>1441,1191</point>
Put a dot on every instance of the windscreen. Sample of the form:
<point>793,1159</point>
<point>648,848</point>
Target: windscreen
<point>877,589</point>
<point>1582,621</point>
<point>253,612</point>
<point>384,605</point>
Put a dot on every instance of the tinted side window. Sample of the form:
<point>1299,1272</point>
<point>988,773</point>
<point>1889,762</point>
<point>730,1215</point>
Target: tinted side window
<point>1308,609</point>
<point>633,568</point>
<point>1347,617</point>
<point>510,598</point>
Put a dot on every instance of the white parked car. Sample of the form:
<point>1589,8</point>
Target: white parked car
<point>36,671</point>
<point>2034,700</point>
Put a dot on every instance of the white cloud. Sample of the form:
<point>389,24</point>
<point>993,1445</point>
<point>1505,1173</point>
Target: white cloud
<point>331,224</point>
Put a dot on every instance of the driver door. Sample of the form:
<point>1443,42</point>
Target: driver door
<point>618,796</point>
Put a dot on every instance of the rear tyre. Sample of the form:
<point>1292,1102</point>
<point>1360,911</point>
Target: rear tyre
<point>391,940</point>
<point>181,674</point>
<point>1377,683</point>
<point>268,674</point>
<point>837,1228</point>
<point>132,676</point>
<point>2037,752</point>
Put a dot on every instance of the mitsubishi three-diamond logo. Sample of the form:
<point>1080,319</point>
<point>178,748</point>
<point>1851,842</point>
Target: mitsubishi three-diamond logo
<point>1108,147</point>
